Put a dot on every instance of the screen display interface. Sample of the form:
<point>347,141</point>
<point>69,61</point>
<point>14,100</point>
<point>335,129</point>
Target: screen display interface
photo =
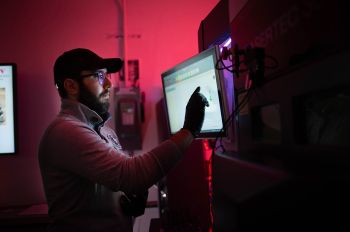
<point>7,124</point>
<point>179,84</point>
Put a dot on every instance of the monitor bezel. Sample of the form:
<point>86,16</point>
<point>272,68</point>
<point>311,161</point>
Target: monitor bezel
<point>14,102</point>
<point>215,52</point>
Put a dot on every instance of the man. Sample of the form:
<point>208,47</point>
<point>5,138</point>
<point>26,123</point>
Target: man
<point>87,178</point>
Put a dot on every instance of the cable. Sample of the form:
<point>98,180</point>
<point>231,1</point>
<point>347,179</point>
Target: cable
<point>237,110</point>
<point>254,60</point>
<point>234,113</point>
<point>228,68</point>
<point>224,66</point>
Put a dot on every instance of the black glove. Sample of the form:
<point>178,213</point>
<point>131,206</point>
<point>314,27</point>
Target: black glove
<point>195,110</point>
<point>134,204</point>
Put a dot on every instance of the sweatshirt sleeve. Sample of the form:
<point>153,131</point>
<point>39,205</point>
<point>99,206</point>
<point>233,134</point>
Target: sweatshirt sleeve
<point>76,148</point>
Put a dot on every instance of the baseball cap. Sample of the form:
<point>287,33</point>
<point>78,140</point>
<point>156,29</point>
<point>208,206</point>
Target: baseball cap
<point>72,62</point>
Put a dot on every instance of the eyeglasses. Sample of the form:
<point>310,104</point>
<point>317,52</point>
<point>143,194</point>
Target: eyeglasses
<point>100,75</point>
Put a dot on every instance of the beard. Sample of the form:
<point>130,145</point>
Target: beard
<point>92,101</point>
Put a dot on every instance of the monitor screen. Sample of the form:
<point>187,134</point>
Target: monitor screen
<point>7,109</point>
<point>179,83</point>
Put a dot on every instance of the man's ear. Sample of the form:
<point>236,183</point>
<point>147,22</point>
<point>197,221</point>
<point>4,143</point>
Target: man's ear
<point>71,87</point>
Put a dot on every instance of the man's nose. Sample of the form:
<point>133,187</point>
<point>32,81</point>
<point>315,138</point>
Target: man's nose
<point>107,83</point>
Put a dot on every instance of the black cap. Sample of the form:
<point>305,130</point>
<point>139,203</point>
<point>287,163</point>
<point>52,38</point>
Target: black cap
<point>72,62</point>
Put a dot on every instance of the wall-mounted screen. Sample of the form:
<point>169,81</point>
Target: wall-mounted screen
<point>179,83</point>
<point>7,109</point>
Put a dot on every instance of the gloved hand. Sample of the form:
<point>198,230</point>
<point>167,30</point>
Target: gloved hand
<point>195,111</point>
